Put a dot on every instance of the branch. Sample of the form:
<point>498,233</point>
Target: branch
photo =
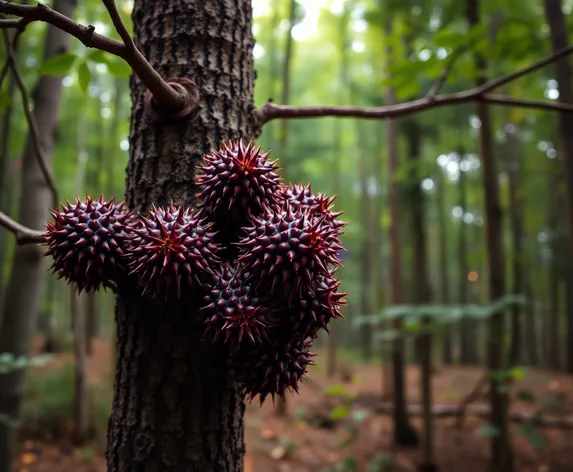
<point>271,111</point>
<point>21,26</point>
<point>33,126</point>
<point>23,234</point>
<point>435,89</point>
<point>170,99</point>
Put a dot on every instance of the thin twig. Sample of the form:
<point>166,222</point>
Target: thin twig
<point>271,111</point>
<point>21,26</point>
<point>435,89</point>
<point>473,396</point>
<point>164,96</point>
<point>23,234</point>
<point>33,126</point>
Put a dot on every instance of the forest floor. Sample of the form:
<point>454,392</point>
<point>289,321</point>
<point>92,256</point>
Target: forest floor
<point>308,440</point>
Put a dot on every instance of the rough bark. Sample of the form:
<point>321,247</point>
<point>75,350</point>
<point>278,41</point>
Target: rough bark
<point>422,291</point>
<point>27,265</point>
<point>175,406</point>
<point>404,433</point>
<point>558,35</point>
<point>501,453</point>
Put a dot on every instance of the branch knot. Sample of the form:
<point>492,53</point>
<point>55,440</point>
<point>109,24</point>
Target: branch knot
<point>187,91</point>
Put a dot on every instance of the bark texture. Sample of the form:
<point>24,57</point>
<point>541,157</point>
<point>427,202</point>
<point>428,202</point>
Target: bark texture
<point>27,266</point>
<point>175,406</point>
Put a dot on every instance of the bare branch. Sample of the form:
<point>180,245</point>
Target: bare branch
<point>23,234</point>
<point>173,100</point>
<point>33,126</point>
<point>270,111</point>
<point>21,26</point>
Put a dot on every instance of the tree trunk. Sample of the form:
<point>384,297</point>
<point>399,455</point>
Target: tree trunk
<point>422,291</point>
<point>332,347</point>
<point>175,406</point>
<point>468,348</point>
<point>366,255</point>
<point>517,237</point>
<point>553,354</point>
<point>80,399</point>
<point>447,351</point>
<point>27,265</point>
<point>501,454</point>
<point>404,433</point>
<point>558,34</point>
<point>285,95</point>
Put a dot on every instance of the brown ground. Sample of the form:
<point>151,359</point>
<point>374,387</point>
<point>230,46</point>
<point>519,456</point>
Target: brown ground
<point>296,444</point>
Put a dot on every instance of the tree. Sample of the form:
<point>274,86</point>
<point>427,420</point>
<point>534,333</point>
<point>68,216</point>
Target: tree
<point>175,405</point>
<point>27,266</point>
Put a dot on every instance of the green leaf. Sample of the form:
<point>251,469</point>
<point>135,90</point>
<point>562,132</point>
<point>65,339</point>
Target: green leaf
<point>535,438</point>
<point>525,396</point>
<point>58,65</point>
<point>488,431</point>
<point>349,463</point>
<point>339,412</point>
<point>334,390</point>
<point>118,68</point>
<point>84,76</point>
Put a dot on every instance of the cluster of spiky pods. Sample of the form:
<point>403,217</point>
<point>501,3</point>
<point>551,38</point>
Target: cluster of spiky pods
<point>261,255</point>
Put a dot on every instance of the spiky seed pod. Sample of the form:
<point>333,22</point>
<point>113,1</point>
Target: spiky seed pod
<point>303,197</point>
<point>174,249</point>
<point>288,248</point>
<point>234,312</point>
<point>313,310</point>
<point>87,242</point>
<point>271,369</point>
<point>235,182</point>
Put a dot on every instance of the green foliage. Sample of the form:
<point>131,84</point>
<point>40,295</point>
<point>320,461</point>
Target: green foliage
<point>48,405</point>
<point>61,64</point>
<point>84,76</point>
<point>10,363</point>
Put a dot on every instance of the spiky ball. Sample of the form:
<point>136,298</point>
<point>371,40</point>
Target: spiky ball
<point>87,242</point>
<point>233,311</point>
<point>313,310</point>
<point>302,197</point>
<point>271,369</point>
<point>235,182</point>
<point>288,248</point>
<point>173,249</point>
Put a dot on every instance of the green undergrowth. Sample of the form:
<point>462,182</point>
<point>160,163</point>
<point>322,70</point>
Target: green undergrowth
<point>48,404</point>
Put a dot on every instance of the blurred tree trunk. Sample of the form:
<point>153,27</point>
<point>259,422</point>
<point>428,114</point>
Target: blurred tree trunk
<point>404,433</point>
<point>468,348</point>
<point>331,358</point>
<point>518,238</point>
<point>447,345</point>
<point>272,51</point>
<point>285,94</point>
<point>5,176</point>
<point>422,290</point>
<point>367,246</point>
<point>553,354</point>
<point>27,265</point>
<point>501,452</point>
<point>80,400</point>
<point>558,35</point>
